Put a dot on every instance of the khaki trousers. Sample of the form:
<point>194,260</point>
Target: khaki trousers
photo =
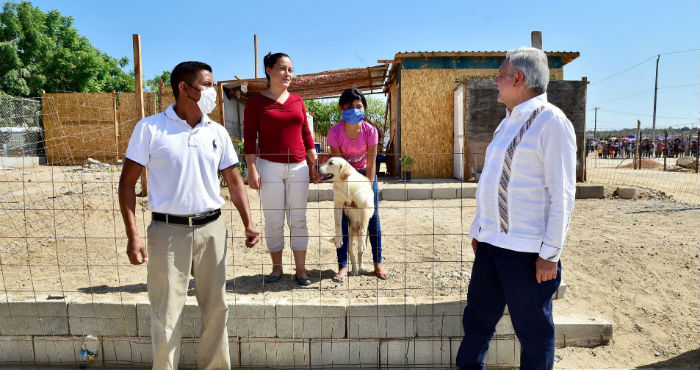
<point>175,252</point>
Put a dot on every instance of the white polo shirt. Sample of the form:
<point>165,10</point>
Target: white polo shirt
<point>182,162</point>
<point>542,182</point>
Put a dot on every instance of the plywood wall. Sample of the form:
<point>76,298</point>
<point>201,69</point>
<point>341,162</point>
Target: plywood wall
<point>427,116</point>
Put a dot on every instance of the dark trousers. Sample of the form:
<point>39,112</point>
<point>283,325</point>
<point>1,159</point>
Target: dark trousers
<point>374,231</point>
<point>503,277</point>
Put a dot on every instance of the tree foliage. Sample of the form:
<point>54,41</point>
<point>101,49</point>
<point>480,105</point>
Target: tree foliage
<point>42,51</point>
<point>152,84</point>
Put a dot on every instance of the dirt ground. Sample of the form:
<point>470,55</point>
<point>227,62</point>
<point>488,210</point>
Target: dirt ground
<point>632,262</point>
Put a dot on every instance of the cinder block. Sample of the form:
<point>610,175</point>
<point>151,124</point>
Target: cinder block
<point>251,318</point>
<point>586,191</point>
<point>394,194</point>
<point>131,351</point>
<point>345,352</point>
<point>316,318</point>
<point>189,347</point>
<point>191,319</point>
<point>415,352</point>
<point>561,291</point>
<point>415,193</point>
<point>319,194</point>
<point>504,327</point>
<point>466,191</point>
<point>504,352</point>
<point>17,350</point>
<point>581,331</point>
<point>88,316</point>
<point>275,353</point>
<point>33,317</point>
<point>445,193</point>
<point>386,318</point>
<point>59,351</point>
<point>625,192</point>
<point>439,316</point>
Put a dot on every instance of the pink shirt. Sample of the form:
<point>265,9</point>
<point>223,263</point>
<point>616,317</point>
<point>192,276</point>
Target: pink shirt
<point>354,151</point>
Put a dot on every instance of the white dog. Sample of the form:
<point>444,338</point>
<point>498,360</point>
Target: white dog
<point>352,194</point>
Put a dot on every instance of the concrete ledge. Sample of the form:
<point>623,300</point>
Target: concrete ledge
<point>35,316</point>
<point>393,194</point>
<point>59,351</point>
<point>439,317</point>
<point>131,351</point>
<point>86,316</point>
<point>582,332</point>
<point>310,319</point>
<point>383,318</point>
<point>251,318</point>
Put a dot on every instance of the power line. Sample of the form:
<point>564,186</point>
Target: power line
<point>642,62</point>
<point>646,91</point>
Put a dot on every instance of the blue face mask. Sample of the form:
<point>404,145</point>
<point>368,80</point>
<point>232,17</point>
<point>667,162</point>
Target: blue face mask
<point>353,116</point>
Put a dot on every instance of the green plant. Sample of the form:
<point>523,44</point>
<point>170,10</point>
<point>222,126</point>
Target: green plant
<point>406,162</point>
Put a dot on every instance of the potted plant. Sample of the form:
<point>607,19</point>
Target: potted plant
<point>406,163</point>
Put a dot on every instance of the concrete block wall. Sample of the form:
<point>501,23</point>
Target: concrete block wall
<point>270,333</point>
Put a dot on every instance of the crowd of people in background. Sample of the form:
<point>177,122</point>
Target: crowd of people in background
<point>625,148</point>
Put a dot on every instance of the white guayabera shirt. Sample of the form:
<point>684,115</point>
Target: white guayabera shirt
<point>526,191</point>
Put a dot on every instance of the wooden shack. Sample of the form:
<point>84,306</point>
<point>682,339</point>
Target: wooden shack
<point>421,89</point>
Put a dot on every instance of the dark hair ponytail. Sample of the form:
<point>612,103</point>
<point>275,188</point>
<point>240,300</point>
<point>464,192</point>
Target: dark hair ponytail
<point>270,59</point>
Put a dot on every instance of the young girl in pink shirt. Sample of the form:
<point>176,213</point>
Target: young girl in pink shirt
<point>355,139</point>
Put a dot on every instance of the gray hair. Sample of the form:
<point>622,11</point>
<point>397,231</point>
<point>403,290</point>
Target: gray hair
<point>532,62</point>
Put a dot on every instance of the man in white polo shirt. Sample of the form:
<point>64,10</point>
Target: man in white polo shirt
<point>183,151</point>
<point>523,206</point>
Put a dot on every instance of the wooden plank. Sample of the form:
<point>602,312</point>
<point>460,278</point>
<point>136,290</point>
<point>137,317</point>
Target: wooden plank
<point>138,89</point>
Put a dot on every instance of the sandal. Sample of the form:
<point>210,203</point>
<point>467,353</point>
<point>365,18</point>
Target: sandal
<point>339,278</point>
<point>383,275</point>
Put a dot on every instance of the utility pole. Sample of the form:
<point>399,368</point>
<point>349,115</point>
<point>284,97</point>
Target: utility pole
<point>595,122</point>
<point>656,89</point>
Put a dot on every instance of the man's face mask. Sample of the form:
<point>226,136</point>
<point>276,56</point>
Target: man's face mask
<point>207,99</point>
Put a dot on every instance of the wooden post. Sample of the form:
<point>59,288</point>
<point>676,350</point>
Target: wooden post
<point>220,87</point>
<point>637,159</point>
<point>536,37</point>
<point>138,89</point>
<point>116,125</point>
<point>664,150</point>
<point>697,152</point>
<point>255,46</point>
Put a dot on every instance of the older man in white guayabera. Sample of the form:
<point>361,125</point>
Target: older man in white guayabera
<point>524,202</point>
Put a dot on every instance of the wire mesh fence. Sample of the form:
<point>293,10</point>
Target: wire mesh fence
<point>67,288</point>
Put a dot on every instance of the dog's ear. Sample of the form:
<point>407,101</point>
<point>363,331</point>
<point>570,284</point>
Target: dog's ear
<point>345,171</point>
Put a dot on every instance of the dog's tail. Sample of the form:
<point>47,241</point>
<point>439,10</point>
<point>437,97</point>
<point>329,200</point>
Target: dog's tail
<point>328,239</point>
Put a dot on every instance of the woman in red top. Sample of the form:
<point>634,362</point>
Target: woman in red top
<point>282,164</point>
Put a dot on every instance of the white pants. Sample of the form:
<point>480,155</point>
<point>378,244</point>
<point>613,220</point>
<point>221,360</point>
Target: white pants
<point>285,187</point>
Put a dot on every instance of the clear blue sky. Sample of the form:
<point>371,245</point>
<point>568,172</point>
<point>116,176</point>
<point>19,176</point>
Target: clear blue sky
<point>611,36</point>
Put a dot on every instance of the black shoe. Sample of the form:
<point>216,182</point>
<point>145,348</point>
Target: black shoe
<point>269,279</point>
<point>302,281</point>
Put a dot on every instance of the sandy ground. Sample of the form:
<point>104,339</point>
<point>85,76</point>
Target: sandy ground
<point>632,262</point>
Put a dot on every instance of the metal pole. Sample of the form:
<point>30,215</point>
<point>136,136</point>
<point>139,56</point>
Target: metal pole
<point>656,89</point>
